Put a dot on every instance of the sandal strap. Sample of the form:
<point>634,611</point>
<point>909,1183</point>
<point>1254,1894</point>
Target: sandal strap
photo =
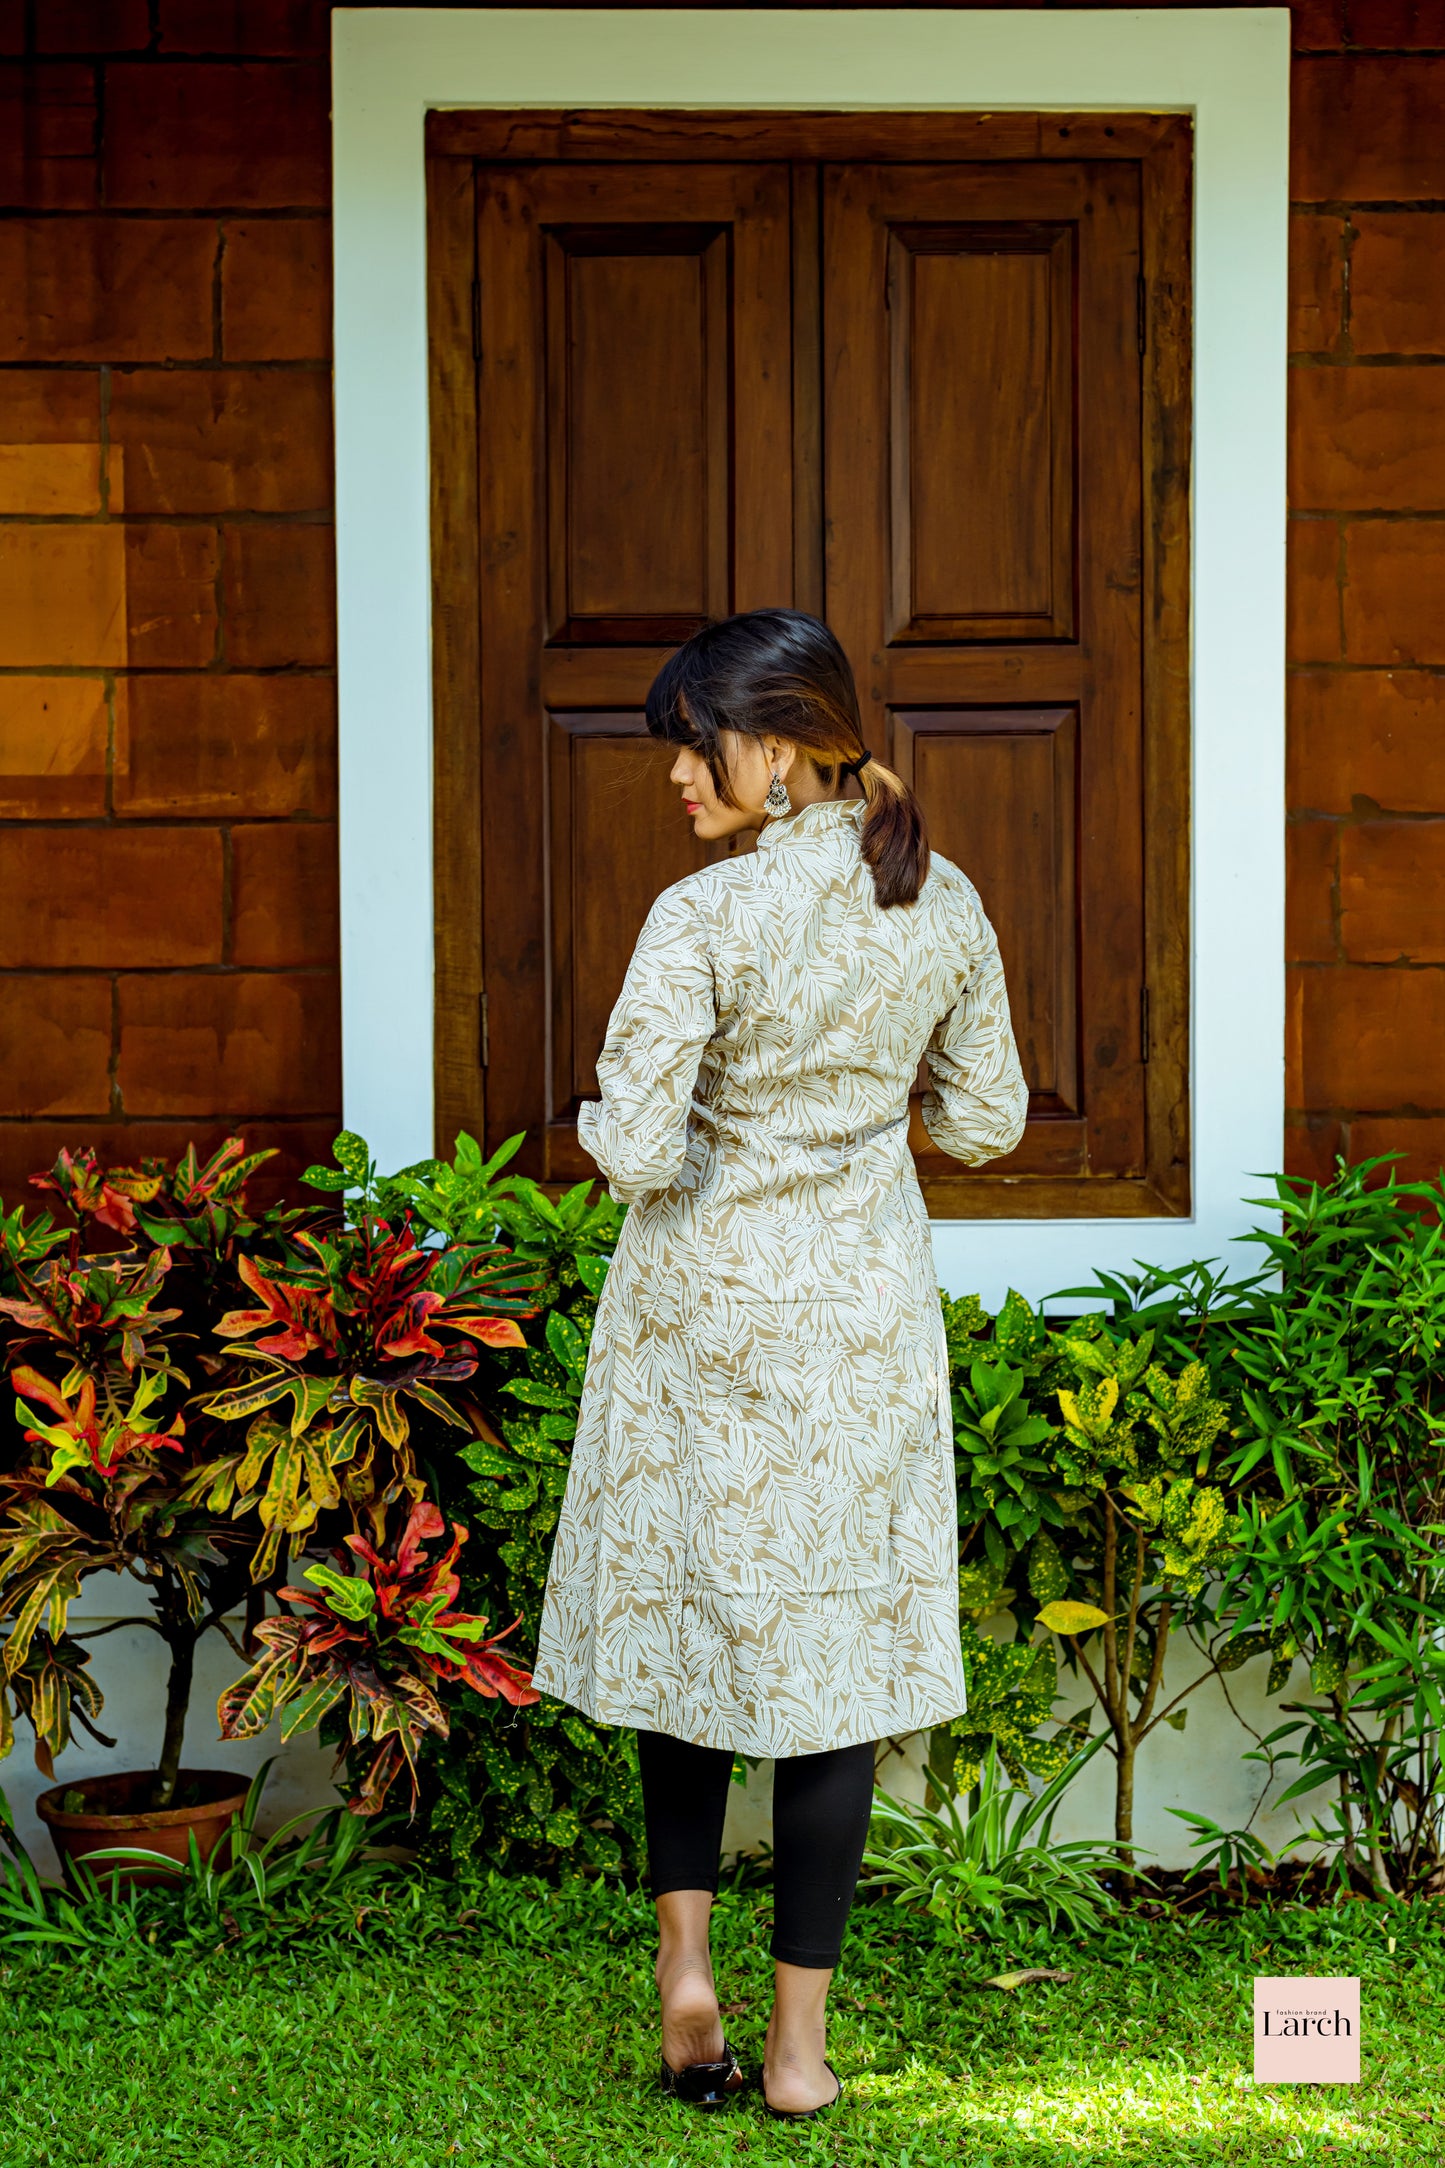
<point>702,2084</point>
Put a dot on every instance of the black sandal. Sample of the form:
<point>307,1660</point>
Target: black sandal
<point>702,2085</point>
<point>806,2115</point>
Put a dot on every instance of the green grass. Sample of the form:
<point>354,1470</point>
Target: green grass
<point>524,2036</point>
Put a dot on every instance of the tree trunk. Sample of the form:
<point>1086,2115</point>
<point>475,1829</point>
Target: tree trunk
<point>182,1645</point>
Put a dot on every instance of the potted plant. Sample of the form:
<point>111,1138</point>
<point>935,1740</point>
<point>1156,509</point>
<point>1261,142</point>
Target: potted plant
<point>198,1389</point>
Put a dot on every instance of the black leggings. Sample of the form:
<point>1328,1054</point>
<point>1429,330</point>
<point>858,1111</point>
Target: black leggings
<point>821,1804</point>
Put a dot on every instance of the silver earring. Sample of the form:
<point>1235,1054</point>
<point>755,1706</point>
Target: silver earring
<point>777,802</point>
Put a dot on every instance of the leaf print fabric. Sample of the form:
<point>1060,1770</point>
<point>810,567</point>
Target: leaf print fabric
<point>758,1546</point>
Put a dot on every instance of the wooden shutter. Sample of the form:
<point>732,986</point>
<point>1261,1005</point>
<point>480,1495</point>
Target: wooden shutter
<point>635,441</point>
<point>687,364</point>
<point>984,503</point>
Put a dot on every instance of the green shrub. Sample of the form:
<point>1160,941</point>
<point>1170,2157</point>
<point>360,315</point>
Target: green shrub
<point>999,1861</point>
<point>1340,1468</point>
<point>1089,1502</point>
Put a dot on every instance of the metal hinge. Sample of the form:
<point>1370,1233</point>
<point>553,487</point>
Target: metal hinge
<point>484,1049</point>
<point>1143,1023</point>
<point>476,319</point>
<point>1142,303</point>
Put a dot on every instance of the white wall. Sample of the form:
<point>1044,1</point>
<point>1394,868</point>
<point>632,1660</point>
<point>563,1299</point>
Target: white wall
<point>1229,67</point>
<point>1200,1768</point>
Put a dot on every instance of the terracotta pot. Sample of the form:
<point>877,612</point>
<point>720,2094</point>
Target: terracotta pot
<point>112,1813</point>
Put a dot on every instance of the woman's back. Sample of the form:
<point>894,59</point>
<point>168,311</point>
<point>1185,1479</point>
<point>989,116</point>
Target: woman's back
<point>774,1017</point>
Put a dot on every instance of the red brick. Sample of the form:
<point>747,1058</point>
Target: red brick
<point>54,1045</point>
<point>1396,23</point>
<point>279,587</point>
<point>1395,591</point>
<point>49,441</point>
<point>1371,737</point>
<point>284,906</point>
<point>46,479</point>
<point>170,596</point>
<point>229,440</point>
<point>245,26</point>
<point>245,135</point>
<point>49,406</point>
<point>1311,1145</point>
<point>1312,589</point>
<point>1317,25</point>
<point>28,1148</point>
<point>276,290</point>
<point>1316,282</point>
<point>1311,849</point>
<point>1367,130</point>
<point>1392,895</point>
<point>109,898</point>
<point>265,1042</point>
<point>53,737</point>
<point>92,26</point>
<point>1397,282</point>
<point>105,289</point>
<point>229,747</point>
<point>49,122</point>
<point>1420,1141</point>
<point>1366,1037</point>
<point>62,596</point>
<point>1367,439</point>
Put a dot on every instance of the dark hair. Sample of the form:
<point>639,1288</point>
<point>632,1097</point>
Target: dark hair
<point>782,673</point>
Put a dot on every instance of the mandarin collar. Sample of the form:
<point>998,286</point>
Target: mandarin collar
<point>810,821</point>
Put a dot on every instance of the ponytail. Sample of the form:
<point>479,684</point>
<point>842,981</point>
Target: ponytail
<point>895,836</point>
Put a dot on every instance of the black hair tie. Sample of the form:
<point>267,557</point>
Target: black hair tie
<point>856,767</point>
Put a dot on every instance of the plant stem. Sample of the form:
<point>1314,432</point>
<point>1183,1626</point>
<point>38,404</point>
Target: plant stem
<point>181,1640</point>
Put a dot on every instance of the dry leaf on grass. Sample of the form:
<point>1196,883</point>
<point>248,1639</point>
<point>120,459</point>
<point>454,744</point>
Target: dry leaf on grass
<point>1008,1981</point>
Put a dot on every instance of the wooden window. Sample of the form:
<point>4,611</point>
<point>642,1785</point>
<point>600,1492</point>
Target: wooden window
<point>683,366</point>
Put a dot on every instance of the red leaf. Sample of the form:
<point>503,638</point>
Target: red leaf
<point>491,1675</point>
<point>34,1387</point>
<point>114,1210</point>
<point>424,1523</point>
<point>403,1333</point>
<point>494,1331</point>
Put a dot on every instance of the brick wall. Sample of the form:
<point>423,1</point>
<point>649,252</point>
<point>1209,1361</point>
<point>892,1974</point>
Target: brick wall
<point>1366,941</point>
<point>167,842</point>
<point>167,694</point>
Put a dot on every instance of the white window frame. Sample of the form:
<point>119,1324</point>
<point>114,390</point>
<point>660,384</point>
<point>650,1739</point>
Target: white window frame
<point>1229,68</point>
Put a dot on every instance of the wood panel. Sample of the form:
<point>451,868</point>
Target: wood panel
<point>460,1078</point>
<point>937,549</point>
<point>981,397</point>
<point>606,780</point>
<point>636,440</point>
<point>1002,788</point>
<point>637,435</point>
<point>607,132</point>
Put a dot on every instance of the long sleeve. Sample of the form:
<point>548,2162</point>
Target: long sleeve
<point>977,1101</point>
<point>664,1017</point>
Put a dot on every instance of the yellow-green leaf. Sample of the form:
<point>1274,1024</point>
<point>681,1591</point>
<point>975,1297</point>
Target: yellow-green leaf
<point>1072,1618</point>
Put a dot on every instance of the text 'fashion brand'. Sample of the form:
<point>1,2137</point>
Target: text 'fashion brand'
<point>1307,2032</point>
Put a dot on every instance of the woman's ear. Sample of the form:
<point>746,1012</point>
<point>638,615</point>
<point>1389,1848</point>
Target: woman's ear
<point>780,755</point>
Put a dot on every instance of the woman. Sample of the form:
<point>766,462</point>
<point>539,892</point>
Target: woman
<point>758,1548</point>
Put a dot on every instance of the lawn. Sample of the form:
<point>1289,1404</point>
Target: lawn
<point>522,2034</point>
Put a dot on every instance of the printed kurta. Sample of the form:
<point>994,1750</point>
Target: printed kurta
<point>758,1546</point>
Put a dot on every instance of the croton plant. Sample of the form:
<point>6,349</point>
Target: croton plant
<point>209,1400</point>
